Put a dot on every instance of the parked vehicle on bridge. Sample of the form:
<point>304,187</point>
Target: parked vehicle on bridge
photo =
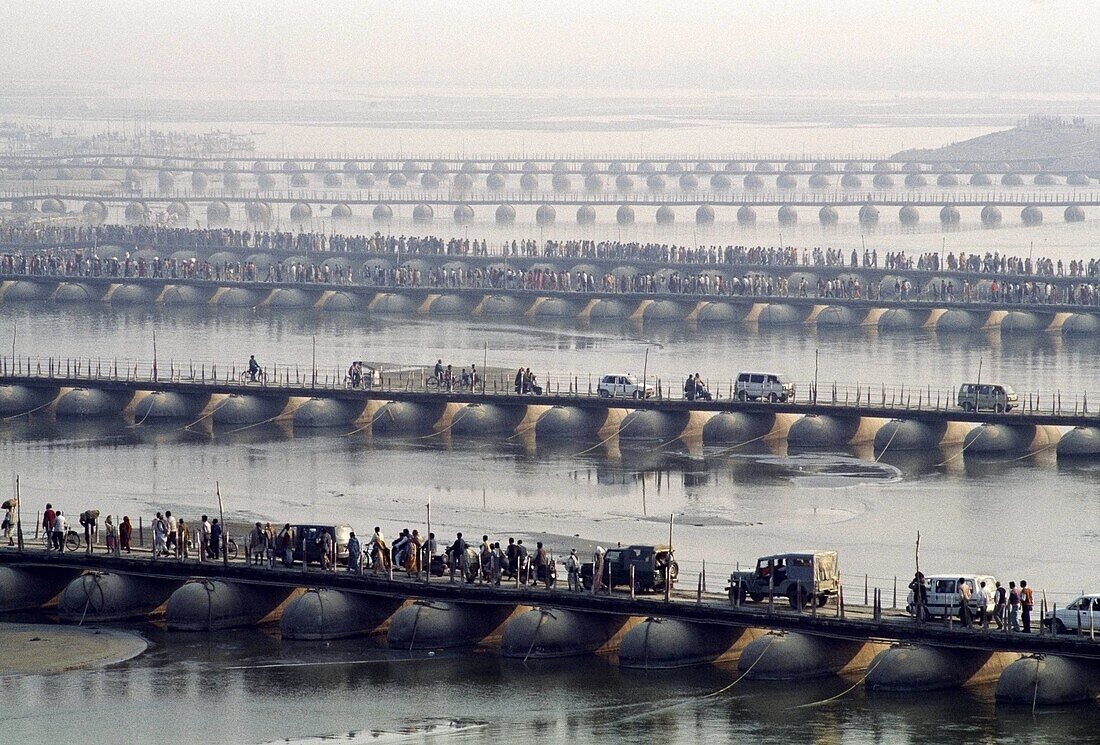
<point>1080,615</point>
<point>753,386</point>
<point>943,594</point>
<point>987,397</point>
<point>308,536</point>
<point>803,577</point>
<point>623,386</point>
<point>651,563</point>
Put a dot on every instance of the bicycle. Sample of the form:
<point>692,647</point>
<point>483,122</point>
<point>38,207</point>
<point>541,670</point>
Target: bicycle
<point>71,542</point>
<point>246,377</point>
<point>230,550</point>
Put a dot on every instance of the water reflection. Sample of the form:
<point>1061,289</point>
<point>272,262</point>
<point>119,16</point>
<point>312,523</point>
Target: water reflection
<point>251,687</point>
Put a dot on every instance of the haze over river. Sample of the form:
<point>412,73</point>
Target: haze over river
<point>1029,518</point>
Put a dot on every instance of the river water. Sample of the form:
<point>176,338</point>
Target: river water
<point>1030,518</point>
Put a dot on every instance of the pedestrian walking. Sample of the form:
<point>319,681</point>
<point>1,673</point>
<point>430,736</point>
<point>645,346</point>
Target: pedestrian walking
<point>215,539</point>
<point>1000,601</point>
<point>573,570</point>
<point>48,517</point>
<point>204,538</point>
<point>542,564</point>
<point>9,521</point>
<point>254,546</point>
<point>160,529</point>
<point>1027,603</point>
<point>269,545</point>
<point>60,523</point>
<point>498,563</point>
<point>89,521</point>
<point>431,550</point>
<point>286,545</point>
<point>112,534</point>
<point>378,551</point>
<point>328,553</point>
<point>964,594</point>
<point>355,555</point>
<point>458,556</point>
<point>523,563</point>
<point>183,536</point>
<point>920,596</point>
<point>171,532</point>
<point>1013,606</point>
<point>983,605</point>
<point>125,531</point>
<point>597,569</point>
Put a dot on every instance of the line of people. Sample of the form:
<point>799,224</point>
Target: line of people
<point>623,280</point>
<point>177,238</point>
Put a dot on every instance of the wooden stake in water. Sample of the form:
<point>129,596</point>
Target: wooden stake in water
<point>671,554</point>
<point>18,516</point>
<point>225,534</point>
<point>428,545</point>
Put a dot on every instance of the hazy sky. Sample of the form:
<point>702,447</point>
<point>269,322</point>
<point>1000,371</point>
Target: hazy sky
<point>998,45</point>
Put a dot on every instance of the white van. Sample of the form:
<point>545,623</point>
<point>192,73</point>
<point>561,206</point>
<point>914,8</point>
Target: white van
<point>987,397</point>
<point>623,386</point>
<point>943,594</point>
<point>764,386</point>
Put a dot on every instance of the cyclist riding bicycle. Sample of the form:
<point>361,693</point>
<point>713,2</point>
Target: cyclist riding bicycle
<point>254,368</point>
<point>355,374</point>
<point>438,372</point>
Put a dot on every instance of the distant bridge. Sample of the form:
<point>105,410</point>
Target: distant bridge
<point>703,207</point>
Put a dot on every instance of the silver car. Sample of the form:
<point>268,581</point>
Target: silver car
<point>987,397</point>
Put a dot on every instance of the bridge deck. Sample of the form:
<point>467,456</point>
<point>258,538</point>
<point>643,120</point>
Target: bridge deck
<point>854,198</point>
<point>857,622</point>
<point>874,402</point>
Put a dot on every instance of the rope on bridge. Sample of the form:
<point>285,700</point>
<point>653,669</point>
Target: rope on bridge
<point>1035,452</point>
<point>740,444</point>
<point>29,411</point>
<point>705,696</point>
<point>138,424</point>
<point>207,415</point>
<point>607,439</point>
<point>846,691</point>
<point>963,450</point>
<point>256,424</point>
<point>888,443</point>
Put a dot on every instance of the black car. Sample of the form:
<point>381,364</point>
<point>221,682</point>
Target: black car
<point>309,538</point>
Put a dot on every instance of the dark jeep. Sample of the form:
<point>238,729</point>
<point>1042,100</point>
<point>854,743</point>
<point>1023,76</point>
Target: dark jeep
<point>651,564</point>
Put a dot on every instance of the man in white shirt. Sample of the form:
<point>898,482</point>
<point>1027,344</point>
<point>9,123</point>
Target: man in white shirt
<point>159,529</point>
<point>173,529</point>
<point>60,527</point>
<point>983,605</point>
<point>573,568</point>
<point>204,537</point>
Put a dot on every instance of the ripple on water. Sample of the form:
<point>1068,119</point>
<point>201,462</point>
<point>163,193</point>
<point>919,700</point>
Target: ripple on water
<point>410,733</point>
<point>828,471</point>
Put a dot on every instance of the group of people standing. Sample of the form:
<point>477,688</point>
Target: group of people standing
<point>526,382</point>
<point>448,380</point>
<point>56,529</point>
<point>1005,607</point>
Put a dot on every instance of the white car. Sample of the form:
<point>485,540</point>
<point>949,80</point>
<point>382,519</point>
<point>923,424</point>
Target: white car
<point>623,386</point>
<point>1083,614</point>
<point>943,594</point>
<point>752,386</point>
